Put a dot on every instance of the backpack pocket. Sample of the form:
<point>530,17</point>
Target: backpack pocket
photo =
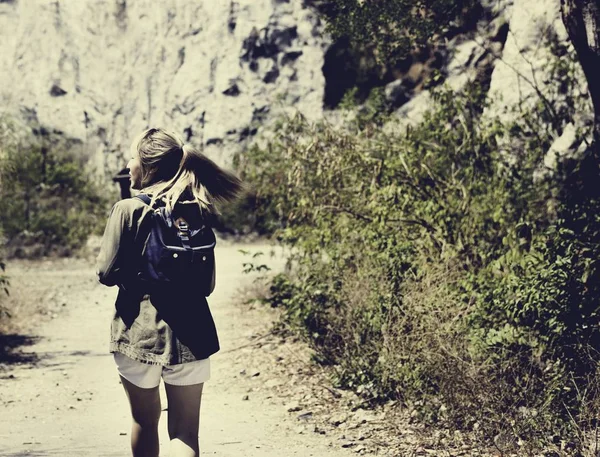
<point>190,267</point>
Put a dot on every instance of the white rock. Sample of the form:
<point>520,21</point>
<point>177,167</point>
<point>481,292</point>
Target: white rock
<point>100,72</point>
<point>526,56</point>
<point>565,146</point>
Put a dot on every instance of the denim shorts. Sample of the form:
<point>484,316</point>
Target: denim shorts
<point>147,376</point>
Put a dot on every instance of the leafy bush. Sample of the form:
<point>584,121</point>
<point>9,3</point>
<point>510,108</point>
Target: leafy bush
<point>49,203</point>
<point>394,28</point>
<point>438,265</point>
<point>245,215</point>
<point>375,42</point>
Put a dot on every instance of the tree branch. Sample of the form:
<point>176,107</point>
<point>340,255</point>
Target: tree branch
<point>362,217</point>
<point>582,21</point>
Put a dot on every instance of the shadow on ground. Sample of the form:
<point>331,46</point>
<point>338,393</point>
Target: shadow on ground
<point>57,451</point>
<point>10,349</point>
<point>26,453</point>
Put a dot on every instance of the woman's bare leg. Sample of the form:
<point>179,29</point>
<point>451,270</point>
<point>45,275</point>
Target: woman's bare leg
<point>184,419</point>
<point>145,411</point>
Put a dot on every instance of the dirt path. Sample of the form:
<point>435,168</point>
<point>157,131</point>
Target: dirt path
<point>68,400</point>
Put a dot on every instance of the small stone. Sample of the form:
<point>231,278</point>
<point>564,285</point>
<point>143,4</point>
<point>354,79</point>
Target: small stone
<point>293,407</point>
<point>122,433</point>
<point>245,398</point>
<point>338,419</point>
<point>318,430</point>
<point>348,444</point>
<point>305,416</point>
<point>272,383</point>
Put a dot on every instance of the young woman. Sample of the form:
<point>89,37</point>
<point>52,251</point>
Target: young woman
<point>170,333</point>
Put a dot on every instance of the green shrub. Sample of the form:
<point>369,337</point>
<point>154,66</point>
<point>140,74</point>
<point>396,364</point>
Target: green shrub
<point>433,266</point>
<point>246,215</point>
<point>49,202</point>
<point>394,28</point>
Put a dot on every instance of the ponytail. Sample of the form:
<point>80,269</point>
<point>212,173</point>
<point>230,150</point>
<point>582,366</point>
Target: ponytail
<point>208,183</point>
<point>220,185</point>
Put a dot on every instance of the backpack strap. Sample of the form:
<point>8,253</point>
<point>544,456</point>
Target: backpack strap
<point>145,198</point>
<point>183,234</point>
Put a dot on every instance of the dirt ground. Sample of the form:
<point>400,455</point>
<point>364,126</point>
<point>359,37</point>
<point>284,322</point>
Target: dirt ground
<point>60,393</point>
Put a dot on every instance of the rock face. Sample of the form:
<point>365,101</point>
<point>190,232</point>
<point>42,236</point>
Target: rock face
<point>523,73</point>
<point>97,72</point>
<point>524,63</point>
<point>100,71</point>
<point>511,52</point>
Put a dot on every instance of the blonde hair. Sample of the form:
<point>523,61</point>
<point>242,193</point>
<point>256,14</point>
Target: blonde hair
<point>169,167</point>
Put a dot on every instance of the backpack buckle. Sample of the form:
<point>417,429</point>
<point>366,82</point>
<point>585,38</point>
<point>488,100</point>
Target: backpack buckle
<point>183,230</point>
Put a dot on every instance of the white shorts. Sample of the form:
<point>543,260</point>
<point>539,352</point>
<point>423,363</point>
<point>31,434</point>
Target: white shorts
<point>147,376</point>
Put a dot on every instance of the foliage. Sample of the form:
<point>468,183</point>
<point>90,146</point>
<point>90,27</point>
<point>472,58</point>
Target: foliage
<point>439,264</point>
<point>393,28</point>
<point>245,215</point>
<point>375,111</point>
<point>49,203</point>
<point>375,43</point>
<point>251,266</point>
<point>4,284</point>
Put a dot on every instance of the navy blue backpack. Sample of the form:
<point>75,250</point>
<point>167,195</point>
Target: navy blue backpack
<point>176,255</point>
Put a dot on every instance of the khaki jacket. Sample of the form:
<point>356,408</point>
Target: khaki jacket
<point>170,327</point>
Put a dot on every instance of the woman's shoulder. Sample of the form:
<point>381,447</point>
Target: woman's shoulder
<point>129,205</point>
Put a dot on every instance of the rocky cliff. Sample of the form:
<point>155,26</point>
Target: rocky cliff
<point>98,71</point>
<point>516,51</point>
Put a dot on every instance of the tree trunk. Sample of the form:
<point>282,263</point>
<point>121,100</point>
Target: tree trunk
<point>582,20</point>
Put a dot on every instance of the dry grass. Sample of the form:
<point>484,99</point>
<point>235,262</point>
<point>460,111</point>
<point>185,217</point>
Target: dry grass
<point>420,353</point>
<point>37,292</point>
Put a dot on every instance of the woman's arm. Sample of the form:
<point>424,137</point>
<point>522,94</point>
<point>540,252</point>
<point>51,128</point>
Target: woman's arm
<point>109,262</point>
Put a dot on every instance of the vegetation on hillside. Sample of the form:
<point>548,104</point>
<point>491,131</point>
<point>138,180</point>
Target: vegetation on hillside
<point>376,42</point>
<point>49,201</point>
<point>393,29</point>
<point>442,265</point>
